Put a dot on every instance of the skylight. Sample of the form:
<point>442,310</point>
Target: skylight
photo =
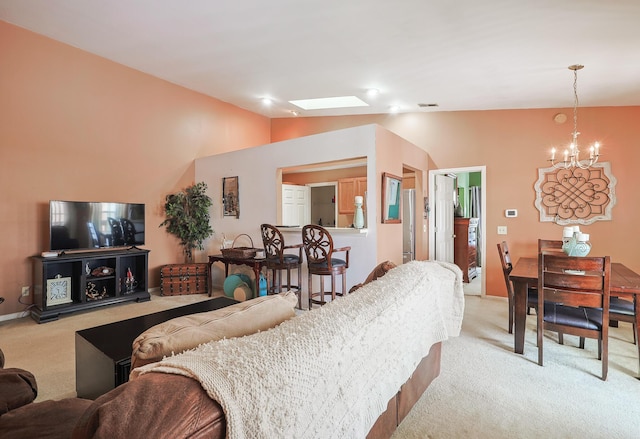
<point>325,103</point>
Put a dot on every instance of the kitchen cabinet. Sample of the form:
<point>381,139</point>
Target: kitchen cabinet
<point>348,188</point>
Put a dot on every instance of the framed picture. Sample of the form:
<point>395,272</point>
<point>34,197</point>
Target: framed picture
<point>391,196</point>
<point>59,290</point>
<point>230,197</point>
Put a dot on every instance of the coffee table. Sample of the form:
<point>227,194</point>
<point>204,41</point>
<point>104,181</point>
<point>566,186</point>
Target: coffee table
<point>103,353</point>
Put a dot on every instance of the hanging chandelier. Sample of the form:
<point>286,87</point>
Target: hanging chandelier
<point>571,156</point>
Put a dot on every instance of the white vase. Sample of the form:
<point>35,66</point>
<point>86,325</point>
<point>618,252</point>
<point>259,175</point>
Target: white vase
<point>358,220</point>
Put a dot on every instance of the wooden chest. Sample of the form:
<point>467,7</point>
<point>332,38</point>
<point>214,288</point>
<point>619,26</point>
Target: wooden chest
<point>465,243</point>
<point>177,279</point>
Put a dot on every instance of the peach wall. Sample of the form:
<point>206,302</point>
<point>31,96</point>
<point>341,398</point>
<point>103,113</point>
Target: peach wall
<point>76,126</point>
<point>513,144</point>
<point>397,154</point>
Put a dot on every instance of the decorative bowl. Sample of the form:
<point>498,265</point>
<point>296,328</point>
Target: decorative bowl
<point>234,281</point>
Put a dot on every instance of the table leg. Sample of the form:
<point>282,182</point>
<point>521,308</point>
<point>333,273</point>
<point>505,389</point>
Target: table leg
<point>520,315</point>
<point>256,271</point>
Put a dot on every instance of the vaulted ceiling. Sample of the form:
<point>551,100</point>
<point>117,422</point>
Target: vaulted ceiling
<point>458,54</point>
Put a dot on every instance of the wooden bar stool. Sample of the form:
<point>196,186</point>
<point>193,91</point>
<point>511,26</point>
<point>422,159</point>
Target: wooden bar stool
<point>318,247</point>
<point>277,261</point>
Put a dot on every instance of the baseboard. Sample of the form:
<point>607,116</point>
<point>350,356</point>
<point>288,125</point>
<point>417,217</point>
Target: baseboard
<point>16,315</point>
<point>25,313</point>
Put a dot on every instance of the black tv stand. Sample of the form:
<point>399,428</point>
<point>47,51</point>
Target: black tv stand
<point>78,281</point>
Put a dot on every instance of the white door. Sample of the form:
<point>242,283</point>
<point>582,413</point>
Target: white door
<point>443,216</point>
<point>296,205</point>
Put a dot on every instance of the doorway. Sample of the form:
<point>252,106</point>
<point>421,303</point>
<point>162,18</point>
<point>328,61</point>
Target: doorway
<point>323,204</point>
<point>435,240</point>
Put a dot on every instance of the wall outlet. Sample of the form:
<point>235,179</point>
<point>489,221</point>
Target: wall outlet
<point>502,230</point>
<point>25,291</point>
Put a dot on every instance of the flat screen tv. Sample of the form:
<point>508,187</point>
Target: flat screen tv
<point>81,225</point>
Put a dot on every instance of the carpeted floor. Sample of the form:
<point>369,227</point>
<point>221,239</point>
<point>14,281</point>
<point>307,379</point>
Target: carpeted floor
<point>485,390</point>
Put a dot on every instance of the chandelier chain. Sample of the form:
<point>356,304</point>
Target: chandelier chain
<point>575,107</point>
<point>572,154</point>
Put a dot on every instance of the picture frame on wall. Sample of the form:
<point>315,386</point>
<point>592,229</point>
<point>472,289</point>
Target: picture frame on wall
<point>391,198</point>
<point>230,197</point>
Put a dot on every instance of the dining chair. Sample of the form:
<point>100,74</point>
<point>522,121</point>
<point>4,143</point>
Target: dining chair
<point>507,266</point>
<point>549,244</point>
<point>319,250</point>
<point>554,245</point>
<point>619,309</point>
<point>573,294</point>
<point>622,310</point>
<point>278,259</point>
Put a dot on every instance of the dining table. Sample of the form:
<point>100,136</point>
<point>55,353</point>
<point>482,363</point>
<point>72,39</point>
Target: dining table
<point>624,283</point>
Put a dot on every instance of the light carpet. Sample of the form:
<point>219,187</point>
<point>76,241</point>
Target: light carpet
<point>485,390</point>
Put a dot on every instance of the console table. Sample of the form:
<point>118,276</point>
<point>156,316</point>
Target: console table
<point>103,353</point>
<point>255,263</point>
<point>85,280</point>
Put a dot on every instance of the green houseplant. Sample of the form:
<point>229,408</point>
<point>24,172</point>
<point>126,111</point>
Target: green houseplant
<point>187,215</point>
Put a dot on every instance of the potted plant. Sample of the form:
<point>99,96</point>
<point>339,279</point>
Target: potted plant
<point>187,215</point>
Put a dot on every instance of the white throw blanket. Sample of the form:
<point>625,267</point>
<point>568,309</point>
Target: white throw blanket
<point>330,372</point>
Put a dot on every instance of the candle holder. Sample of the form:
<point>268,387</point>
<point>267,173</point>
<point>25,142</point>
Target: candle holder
<point>577,244</point>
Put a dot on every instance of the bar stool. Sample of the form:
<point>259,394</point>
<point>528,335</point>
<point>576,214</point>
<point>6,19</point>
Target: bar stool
<point>319,249</point>
<point>277,261</point>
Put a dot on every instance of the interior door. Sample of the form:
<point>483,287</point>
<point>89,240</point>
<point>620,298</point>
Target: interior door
<point>443,217</point>
<point>296,205</point>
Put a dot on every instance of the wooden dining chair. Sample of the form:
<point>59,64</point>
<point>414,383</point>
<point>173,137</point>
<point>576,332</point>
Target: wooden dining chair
<point>280,257</point>
<point>573,294</point>
<point>549,244</point>
<point>554,245</point>
<point>619,309</point>
<point>321,261</point>
<point>507,266</point>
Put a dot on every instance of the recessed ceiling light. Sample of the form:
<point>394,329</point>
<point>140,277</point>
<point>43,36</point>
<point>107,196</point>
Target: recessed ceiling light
<point>373,92</point>
<point>394,109</point>
<point>266,101</point>
<point>324,103</point>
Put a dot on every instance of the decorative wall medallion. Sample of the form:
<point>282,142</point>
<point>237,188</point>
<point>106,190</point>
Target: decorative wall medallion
<point>575,195</point>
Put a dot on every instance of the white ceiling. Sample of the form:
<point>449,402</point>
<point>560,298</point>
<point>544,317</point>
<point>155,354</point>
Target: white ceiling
<point>459,54</point>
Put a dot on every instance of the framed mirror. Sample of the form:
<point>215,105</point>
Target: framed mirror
<point>391,196</point>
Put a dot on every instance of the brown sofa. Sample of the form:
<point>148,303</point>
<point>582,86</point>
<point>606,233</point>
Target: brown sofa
<point>132,410</point>
<point>163,405</point>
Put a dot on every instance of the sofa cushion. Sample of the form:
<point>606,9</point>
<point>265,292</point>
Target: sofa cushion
<point>17,388</point>
<point>155,405</point>
<point>187,332</point>
<point>47,419</point>
<point>380,270</point>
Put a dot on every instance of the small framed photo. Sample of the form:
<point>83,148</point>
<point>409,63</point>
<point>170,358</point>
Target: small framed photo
<point>391,198</point>
<point>230,197</point>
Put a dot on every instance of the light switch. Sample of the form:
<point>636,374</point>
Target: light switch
<point>502,230</point>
